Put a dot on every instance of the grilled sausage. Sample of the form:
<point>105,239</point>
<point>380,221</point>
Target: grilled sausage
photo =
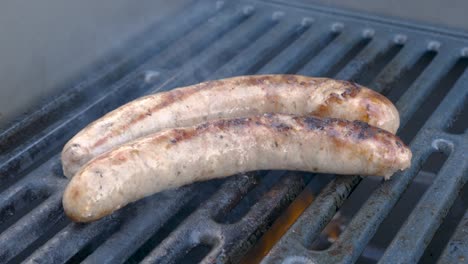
<point>228,98</point>
<point>179,156</point>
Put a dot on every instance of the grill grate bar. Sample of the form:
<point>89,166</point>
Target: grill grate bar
<point>378,64</point>
<point>150,214</point>
<point>312,221</point>
<point>238,65</point>
<point>432,207</point>
<point>192,71</point>
<point>221,205</point>
<point>198,40</point>
<point>290,180</point>
<point>261,49</point>
<point>361,63</point>
<point>231,240</point>
<point>309,44</point>
<point>71,240</point>
<point>191,232</point>
<point>46,176</point>
<point>379,204</point>
<point>266,210</point>
<point>358,233</point>
<point>29,228</point>
<point>422,87</point>
<point>18,200</point>
<point>219,53</point>
<point>456,250</point>
<point>329,56</point>
<point>450,104</point>
<point>226,49</point>
<point>397,67</point>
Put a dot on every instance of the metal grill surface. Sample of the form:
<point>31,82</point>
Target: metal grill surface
<point>423,70</point>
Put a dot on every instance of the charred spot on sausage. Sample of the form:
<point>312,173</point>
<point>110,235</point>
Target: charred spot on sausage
<point>203,126</point>
<point>314,123</point>
<point>98,172</point>
<point>398,143</point>
<point>352,89</point>
<point>365,130</point>
<point>281,127</point>
<point>290,79</point>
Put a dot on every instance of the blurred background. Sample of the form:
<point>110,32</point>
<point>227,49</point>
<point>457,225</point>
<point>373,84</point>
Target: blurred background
<point>43,44</point>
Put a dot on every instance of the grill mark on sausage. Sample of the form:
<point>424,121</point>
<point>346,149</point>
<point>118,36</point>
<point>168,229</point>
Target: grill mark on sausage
<point>338,130</point>
<point>223,124</point>
<point>267,82</point>
<point>75,193</point>
<point>273,98</point>
<point>351,91</point>
<point>101,141</point>
<point>312,122</point>
<point>179,135</point>
<point>263,80</point>
<point>270,84</point>
<point>358,131</point>
<point>334,128</point>
<point>281,127</point>
<point>168,98</point>
<point>363,130</point>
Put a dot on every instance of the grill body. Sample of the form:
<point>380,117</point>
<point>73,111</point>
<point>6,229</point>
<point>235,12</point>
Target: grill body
<point>423,70</point>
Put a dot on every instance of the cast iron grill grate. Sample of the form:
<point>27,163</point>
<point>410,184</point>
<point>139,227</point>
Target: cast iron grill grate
<point>423,70</point>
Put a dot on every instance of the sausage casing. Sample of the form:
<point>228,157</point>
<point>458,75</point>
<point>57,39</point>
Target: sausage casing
<point>228,98</point>
<point>179,156</point>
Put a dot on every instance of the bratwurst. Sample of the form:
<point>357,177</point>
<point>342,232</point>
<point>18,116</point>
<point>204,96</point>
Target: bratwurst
<point>179,156</point>
<point>228,98</point>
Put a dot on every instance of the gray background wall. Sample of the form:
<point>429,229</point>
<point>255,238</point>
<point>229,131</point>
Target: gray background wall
<point>42,43</point>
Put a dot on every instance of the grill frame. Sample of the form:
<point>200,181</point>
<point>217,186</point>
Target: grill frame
<point>210,34</point>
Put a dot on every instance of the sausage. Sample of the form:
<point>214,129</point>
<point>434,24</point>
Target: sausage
<point>228,98</point>
<point>179,156</point>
